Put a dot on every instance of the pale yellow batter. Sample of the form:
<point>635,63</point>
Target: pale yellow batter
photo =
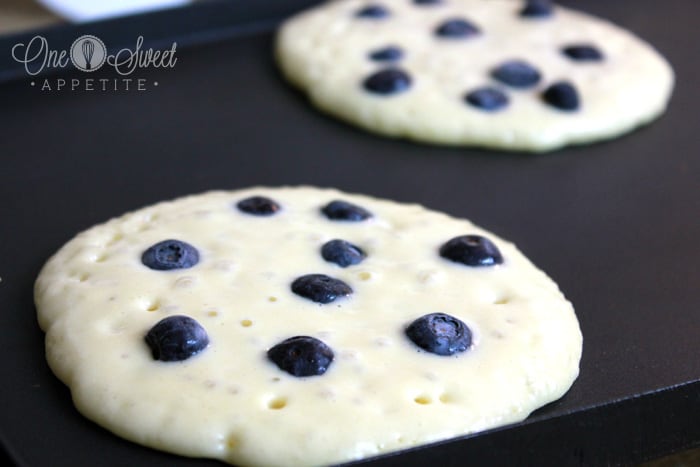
<point>96,301</point>
<point>325,51</point>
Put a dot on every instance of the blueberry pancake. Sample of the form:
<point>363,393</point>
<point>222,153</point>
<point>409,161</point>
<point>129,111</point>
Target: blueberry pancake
<point>301,326</point>
<point>504,74</point>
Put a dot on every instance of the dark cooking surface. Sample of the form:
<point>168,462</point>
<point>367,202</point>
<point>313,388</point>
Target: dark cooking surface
<point>615,224</point>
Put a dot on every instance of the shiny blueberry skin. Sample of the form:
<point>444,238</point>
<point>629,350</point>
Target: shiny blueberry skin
<point>372,12</point>
<point>339,210</point>
<point>170,254</point>
<point>390,53</point>
<point>320,288</point>
<point>517,74</point>
<point>583,53</point>
<point>487,98</point>
<point>440,333</point>
<point>537,9</point>
<point>471,250</point>
<point>562,95</point>
<point>258,206</point>
<point>176,338</point>
<point>388,81</point>
<point>342,253</point>
<point>302,356</point>
<point>457,28</point>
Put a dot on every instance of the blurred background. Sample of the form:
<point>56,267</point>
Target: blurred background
<point>22,15</point>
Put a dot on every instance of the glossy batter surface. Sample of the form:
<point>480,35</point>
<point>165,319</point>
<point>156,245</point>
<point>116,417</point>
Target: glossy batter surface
<point>96,301</point>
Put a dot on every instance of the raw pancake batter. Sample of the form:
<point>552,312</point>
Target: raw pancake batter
<point>504,74</point>
<point>301,326</point>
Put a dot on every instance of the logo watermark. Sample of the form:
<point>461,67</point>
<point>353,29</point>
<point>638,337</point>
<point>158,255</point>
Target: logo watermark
<point>89,53</point>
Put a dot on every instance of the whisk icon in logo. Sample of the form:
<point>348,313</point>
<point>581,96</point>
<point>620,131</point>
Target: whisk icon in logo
<point>88,53</point>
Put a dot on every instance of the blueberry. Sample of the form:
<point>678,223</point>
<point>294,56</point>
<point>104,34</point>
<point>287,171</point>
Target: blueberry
<point>342,253</point>
<point>390,53</point>
<point>562,95</point>
<point>258,206</point>
<point>472,250</point>
<point>487,98</point>
<point>583,53</point>
<point>372,12</point>
<point>176,338</point>
<point>440,333</point>
<point>537,9</point>
<point>320,288</point>
<point>302,356</point>
<point>427,2</point>
<point>457,28</point>
<point>387,81</point>
<point>343,211</point>
<point>516,73</point>
<point>170,254</point>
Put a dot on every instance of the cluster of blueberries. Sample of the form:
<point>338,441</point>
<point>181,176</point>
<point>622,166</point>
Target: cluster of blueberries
<point>179,337</point>
<point>516,74</point>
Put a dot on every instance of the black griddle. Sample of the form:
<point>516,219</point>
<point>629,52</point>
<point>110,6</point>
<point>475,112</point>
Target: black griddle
<point>616,224</point>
